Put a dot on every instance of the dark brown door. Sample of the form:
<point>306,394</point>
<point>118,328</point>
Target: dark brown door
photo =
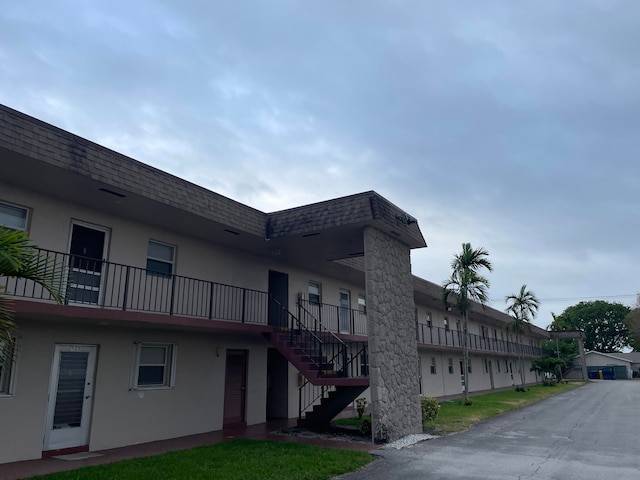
<point>278,291</point>
<point>235,387</point>
<point>86,254</point>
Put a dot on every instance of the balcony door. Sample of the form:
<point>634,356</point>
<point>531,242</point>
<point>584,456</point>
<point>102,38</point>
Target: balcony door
<point>344,312</point>
<point>87,253</point>
<point>279,295</point>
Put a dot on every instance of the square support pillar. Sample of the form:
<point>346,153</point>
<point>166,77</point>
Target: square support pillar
<point>393,350</point>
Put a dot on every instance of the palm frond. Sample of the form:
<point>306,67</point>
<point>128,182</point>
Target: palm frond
<point>471,259</point>
<point>19,258</point>
<point>6,320</point>
<point>465,283</point>
<point>523,307</point>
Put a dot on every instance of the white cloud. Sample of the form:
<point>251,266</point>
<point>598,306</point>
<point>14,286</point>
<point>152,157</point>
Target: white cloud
<point>510,126</point>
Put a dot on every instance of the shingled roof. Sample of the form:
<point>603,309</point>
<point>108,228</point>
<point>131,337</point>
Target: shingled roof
<point>67,164</point>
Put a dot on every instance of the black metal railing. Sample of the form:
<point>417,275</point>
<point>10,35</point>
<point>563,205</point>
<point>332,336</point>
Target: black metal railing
<point>334,317</point>
<point>429,335</point>
<point>328,354</point>
<point>90,282</point>
<point>310,395</point>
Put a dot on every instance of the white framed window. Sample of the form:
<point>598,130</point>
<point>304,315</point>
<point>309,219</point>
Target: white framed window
<point>154,365</point>
<point>362,303</point>
<point>446,323</point>
<point>13,216</point>
<point>160,259</point>
<point>450,365</point>
<point>7,367</point>
<point>432,368</point>
<point>486,366</point>
<point>429,320</point>
<point>498,364</point>
<point>315,292</point>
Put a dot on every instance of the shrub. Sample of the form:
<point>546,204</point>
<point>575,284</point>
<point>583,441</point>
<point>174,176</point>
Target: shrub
<point>361,404</point>
<point>521,389</point>
<point>365,427</point>
<point>549,382</point>
<point>430,407</point>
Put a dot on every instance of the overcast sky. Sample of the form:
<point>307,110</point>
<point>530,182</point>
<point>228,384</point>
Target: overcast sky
<point>511,125</point>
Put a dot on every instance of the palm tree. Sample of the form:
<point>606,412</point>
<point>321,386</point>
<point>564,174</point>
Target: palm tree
<point>523,308</point>
<point>20,259</point>
<point>467,285</point>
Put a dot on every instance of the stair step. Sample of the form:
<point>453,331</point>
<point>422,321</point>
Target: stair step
<point>331,405</point>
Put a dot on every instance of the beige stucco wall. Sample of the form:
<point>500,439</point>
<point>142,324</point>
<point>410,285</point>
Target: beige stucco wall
<point>122,416</point>
<point>442,383</point>
<point>194,405</point>
<point>50,227</point>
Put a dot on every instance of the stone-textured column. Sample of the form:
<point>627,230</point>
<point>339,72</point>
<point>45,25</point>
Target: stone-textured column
<point>393,352</point>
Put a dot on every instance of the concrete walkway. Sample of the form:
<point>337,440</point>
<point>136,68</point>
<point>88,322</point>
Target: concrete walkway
<point>264,431</point>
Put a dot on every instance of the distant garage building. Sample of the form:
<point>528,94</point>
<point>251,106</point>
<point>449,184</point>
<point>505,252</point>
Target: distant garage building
<point>612,366</point>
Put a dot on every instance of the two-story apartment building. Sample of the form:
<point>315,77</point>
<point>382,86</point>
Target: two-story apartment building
<point>186,311</point>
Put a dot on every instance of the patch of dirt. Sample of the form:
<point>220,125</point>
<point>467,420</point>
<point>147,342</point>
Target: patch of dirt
<point>340,434</point>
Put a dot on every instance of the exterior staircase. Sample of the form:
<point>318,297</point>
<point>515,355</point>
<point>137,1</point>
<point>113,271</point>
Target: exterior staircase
<point>329,365</point>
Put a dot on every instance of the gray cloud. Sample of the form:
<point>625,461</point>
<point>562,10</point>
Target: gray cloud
<point>508,124</point>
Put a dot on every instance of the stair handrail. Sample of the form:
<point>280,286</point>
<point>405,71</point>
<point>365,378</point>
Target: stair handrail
<point>342,352</point>
<point>363,349</point>
<point>324,389</point>
<point>294,323</point>
<point>321,326</point>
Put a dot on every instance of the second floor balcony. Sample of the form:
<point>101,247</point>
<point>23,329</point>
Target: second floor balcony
<point>106,285</point>
<point>445,337</point>
<point>100,284</point>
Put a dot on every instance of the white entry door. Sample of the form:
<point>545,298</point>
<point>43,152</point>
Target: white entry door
<point>70,397</point>
<point>344,312</point>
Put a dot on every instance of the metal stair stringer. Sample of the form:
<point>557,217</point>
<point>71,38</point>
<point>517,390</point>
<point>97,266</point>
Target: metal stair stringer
<point>331,405</point>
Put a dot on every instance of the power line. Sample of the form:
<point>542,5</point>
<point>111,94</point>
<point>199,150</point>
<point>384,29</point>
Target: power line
<point>567,299</point>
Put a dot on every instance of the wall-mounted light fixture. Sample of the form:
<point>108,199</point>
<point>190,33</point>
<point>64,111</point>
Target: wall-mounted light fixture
<point>406,219</point>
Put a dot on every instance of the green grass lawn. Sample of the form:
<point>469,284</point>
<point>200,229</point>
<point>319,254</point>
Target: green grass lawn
<point>351,421</point>
<point>454,416</point>
<point>258,460</point>
<point>234,460</point>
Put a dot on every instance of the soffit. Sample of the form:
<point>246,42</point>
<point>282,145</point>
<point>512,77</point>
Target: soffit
<point>40,157</point>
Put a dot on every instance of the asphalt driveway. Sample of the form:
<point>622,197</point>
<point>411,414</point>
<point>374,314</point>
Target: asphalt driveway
<point>592,432</point>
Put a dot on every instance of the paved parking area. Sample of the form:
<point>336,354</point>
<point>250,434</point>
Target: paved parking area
<point>592,432</point>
